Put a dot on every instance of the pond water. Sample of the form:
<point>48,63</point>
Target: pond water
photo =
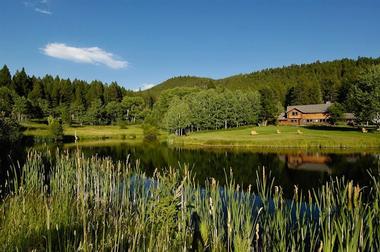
<point>307,169</point>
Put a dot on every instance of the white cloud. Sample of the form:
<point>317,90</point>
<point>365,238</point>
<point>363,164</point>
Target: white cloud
<point>145,86</point>
<point>46,12</point>
<point>90,55</point>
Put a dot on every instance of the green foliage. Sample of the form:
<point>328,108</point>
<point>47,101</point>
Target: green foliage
<point>5,77</point>
<point>21,83</point>
<point>270,107</point>
<point>170,212</point>
<point>113,93</point>
<point>163,103</point>
<point>6,100</point>
<point>115,111</point>
<point>178,116</point>
<point>133,107</point>
<point>150,132</point>
<point>301,84</point>
<point>55,129</point>
<point>304,93</point>
<point>195,109</point>
<point>327,77</point>
<point>364,96</point>
<point>21,108</point>
<point>335,111</point>
<point>94,113</point>
<point>182,82</point>
<point>10,130</point>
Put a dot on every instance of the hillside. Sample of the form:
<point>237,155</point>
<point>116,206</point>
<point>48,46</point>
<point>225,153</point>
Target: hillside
<point>182,81</point>
<point>330,77</point>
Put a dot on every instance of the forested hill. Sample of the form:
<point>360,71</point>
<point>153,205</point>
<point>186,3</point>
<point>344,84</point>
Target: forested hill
<point>326,80</point>
<point>183,81</point>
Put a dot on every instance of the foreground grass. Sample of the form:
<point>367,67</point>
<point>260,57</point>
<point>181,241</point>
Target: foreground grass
<point>97,205</point>
<point>288,136</point>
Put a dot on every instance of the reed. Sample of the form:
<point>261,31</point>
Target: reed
<point>68,202</point>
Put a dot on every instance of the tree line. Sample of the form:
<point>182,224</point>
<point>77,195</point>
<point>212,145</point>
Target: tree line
<point>22,97</point>
<point>205,104</point>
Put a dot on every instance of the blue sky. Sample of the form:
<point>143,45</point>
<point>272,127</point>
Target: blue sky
<point>140,42</point>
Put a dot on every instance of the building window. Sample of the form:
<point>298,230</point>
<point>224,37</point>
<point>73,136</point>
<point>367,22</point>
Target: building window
<point>294,113</point>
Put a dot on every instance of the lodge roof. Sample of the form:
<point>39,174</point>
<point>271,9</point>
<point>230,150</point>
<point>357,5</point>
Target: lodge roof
<point>311,108</point>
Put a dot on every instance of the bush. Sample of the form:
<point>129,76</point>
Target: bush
<point>55,129</point>
<point>150,133</point>
<point>10,130</point>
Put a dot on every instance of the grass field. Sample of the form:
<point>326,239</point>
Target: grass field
<point>87,132</point>
<point>288,136</point>
<point>266,137</point>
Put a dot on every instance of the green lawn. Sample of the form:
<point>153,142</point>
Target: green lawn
<point>87,132</point>
<point>268,137</point>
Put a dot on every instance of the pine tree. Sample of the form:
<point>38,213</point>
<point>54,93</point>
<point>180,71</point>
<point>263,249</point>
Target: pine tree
<point>5,77</point>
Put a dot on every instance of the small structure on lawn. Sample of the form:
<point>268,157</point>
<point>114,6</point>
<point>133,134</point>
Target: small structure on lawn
<point>253,132</point>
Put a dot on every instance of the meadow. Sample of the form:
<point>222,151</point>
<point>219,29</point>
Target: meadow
<point>88,132</point>
<point>71,203</point>
<point>282,137</point>
<point>269,137</point>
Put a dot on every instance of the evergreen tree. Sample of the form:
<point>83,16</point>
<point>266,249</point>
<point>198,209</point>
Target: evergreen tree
<point>37,91</point>
<point>112,92</point>
<point>21,83</point>
<point>94,114</point>
<point>6,101</point>
<point>5,77</point>
<point>270,107</point>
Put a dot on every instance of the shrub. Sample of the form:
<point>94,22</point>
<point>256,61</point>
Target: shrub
<point>9,130</point>
<point>150,133</point>
<point>55,129</point>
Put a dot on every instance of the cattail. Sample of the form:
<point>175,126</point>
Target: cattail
<point>356,195</point>
<point>310,197</point>
<point>296,192</point>
<point>349,195</point>
<point>257,232</point>
<point>229,226</point>
<point>213,183</point>
<point>320,247</point>
<point>211,206</point>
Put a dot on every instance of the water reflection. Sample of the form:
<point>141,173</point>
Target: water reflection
<point>303,168</point>
<point>308,162</point>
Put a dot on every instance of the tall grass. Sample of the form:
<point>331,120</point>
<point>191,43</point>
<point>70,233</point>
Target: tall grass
<point>71,203</point>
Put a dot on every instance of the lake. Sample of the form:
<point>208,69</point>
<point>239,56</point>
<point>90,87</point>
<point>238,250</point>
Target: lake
<point>307,169</point>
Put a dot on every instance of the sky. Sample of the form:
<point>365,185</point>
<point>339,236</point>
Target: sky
<point>140,43</point>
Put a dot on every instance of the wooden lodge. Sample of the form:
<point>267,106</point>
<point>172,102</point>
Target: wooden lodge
<point>305,114</point>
